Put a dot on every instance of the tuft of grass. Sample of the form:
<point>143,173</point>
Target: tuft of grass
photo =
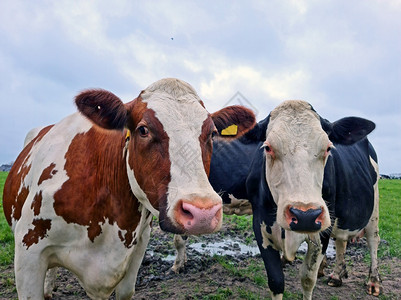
<point>3,176</point>
<point>254,271</point>
<point>288,295</point>
<point>240,223</point>
<point>6,235</point>
<point>229,265</point>
<point>7,283</point>
<point>249,295</point>
<point>390,217</point>
<point>221,294</point>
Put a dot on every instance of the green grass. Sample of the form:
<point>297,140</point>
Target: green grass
<point>245,294</point>
<point>241,222</point>
<point>254,271</point>
<point>390,217</point>
<point>6,236</point>
<point>221,294</point>
<point>288,295</point>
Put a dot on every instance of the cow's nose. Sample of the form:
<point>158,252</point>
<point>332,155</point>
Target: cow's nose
<point>304,221</point>
<point>199,219</point>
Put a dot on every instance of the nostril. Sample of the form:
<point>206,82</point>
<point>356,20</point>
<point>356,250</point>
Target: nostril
<point>291,215</point>
<point>187,213</point>
<point>309,220</point>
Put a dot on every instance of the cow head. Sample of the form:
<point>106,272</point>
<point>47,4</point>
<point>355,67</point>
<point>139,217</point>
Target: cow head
<point>297,143</point>
<point>168,149</point>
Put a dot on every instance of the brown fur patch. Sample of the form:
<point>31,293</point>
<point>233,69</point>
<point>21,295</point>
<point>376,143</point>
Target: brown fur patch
<point>206,143</point>
<point>15,190</point>
<point>149,157</point>
<point>19,203</point>
<point>37,203</point>
<point>41,227</point>
<point>97,190</point>
<point>47,173</point>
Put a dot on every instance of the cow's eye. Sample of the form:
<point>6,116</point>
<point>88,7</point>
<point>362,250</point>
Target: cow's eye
<point>328,149</point>
<point>143,131</point>
<point>268,149</point>
<point>213,134</point>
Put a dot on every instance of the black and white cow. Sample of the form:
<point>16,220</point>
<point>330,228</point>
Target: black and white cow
<point>305,178</point>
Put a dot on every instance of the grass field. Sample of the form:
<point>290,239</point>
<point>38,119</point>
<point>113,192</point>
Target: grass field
<point>6,236</point>
<point>390,217</point>
<point>390,222</point>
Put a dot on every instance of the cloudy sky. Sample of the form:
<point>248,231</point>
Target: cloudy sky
<point>344,57</point>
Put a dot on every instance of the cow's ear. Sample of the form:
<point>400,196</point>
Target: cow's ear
<point>349,130</point>
<point>102,108</point>
<point>258,132</point>
<point>233,121</point>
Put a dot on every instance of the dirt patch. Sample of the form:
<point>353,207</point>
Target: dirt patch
<point>239,276</point>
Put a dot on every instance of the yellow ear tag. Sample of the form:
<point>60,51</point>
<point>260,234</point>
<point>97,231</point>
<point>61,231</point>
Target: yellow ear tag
<point>230,130</point>
<point>128,135</point>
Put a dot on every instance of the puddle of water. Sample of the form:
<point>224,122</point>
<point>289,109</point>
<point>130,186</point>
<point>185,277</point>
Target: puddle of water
<point>168,257</point>
<point>227,247</point>
<point>233,247</point>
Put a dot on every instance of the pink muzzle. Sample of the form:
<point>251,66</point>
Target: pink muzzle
<point>198,220</point>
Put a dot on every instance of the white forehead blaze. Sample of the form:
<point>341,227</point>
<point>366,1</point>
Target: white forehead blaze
<point>294,126</point>
<point>177,107</point>
<point>299,143</point>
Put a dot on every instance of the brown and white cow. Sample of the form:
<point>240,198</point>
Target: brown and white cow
<point>81,194</point>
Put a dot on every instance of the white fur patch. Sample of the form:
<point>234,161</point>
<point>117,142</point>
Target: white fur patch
<point>32,134</point>
<point>289,245</point>
<point>342,234</point>
<point>271,239</point>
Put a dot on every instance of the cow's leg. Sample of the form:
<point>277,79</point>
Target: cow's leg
<point>50,281</point>
<point>373,239</point>
<point>311,265</point>
<point>323,265</point>
<point>126,287</point>
<point>275,276</point>
<point>181,258</point>
<point>340,270</point>
<point>30,272</point>
<point>271,258</point>
<point>325,239</point>
<point>372,236</point>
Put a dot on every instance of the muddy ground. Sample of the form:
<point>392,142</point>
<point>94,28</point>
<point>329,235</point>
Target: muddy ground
<point>236,276</point>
